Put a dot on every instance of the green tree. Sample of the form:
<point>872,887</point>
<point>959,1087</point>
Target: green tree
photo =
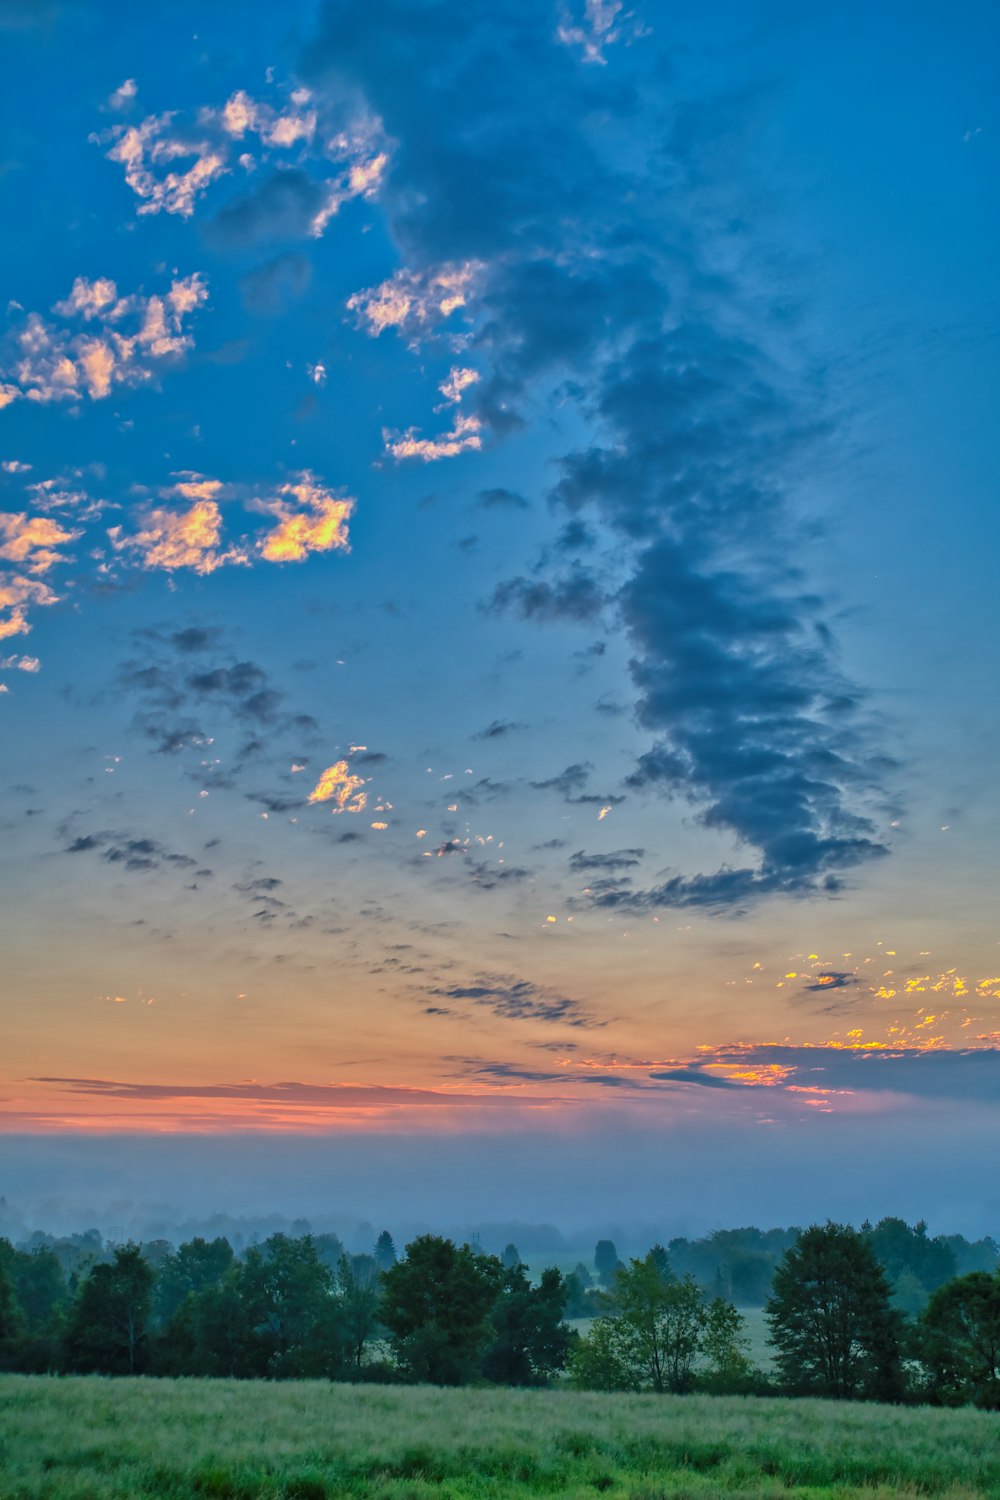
<point>436,1305</point>
<point>359,1293</point>
<point>192,1268</point>
<point>832,1326</point>
<point>725,1348</point>
<point>108,1325</point>
<point>385,1251</point>
<point>606,1262</point>
<point>530,1339</point>
<point>651,1338</point>
<point>959,1341</point>
<point>510,1256</point>
<point>287,1292</point>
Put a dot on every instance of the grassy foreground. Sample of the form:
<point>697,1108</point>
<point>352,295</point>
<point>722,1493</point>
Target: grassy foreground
<point>91,1438</point>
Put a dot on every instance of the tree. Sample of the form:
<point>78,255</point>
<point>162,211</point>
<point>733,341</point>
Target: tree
<point>651,1338</point>
<point>195,1266</point>
<point>832,1325</point>
<point>606,1262</point>
<point>510,1257</point>
<point>108,1324</point>
<point>359,1291</point>
<point>288,1295</point>
<point>959,1341</point>
<point>385,1251</point>
<point>436,1305</point>
<point>915,1264</point>
<point>726,1350</point>
<point>530,1340</point>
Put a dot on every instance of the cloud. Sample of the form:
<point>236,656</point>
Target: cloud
<point>495,499</point>
<point>269,288</point>
<point>331,1097</point>
<point>173,539</point>
<point>170,163</point>
<point>576,596</point>
<point>311,518</point>
<point>497,730</point>
<point>464,436</point>
<point>137,855</point>
<point>701,425</point>
<point>340,787</point>
<point>619,859</point>
<point>415,302</point>
<point>518,1000</point>
<point>929,1072</point>
<point>131,339</point>
<point>123,96</point>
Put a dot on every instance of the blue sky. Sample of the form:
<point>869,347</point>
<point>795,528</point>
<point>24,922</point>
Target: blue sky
<point>497,533</point>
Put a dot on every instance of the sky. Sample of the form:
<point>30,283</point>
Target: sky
<point>498,617</point>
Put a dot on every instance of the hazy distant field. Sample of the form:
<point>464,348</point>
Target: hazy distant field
<point>88,1439</point>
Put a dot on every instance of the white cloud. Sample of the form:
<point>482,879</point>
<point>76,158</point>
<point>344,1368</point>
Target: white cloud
<point>123,95</point>
<point>465,435</point>
<point>415,301</point>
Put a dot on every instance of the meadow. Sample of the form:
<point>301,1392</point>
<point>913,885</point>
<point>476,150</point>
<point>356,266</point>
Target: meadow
<point>93,1438</point>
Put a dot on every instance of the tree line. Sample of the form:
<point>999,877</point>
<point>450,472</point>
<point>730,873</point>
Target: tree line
<point>448,1314</point>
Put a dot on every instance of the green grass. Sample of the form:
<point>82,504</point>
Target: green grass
<point>96,1439</point>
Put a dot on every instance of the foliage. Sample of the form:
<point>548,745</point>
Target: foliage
<point>108,1327</point>
<point>530,1341</point>
<point>959,1341</point>
<point>385,1251</point>
<point>657,1328</point>
<point>606,1262</point>
<point>436,1305</point>
<point>832,1326</point>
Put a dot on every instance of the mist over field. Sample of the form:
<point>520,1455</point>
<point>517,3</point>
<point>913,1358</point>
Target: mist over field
<point>636,1185</point>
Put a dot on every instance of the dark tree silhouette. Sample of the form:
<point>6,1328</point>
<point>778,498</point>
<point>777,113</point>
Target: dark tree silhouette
<point>832,1325</point>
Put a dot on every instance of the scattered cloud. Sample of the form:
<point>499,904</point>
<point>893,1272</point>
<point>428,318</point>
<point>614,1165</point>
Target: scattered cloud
<point>125,341</point>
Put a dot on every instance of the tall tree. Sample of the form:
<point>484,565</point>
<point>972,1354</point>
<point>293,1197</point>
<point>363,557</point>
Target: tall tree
<point>959,1341</point>
<point>288,1295</point>
<point>359,1292</point>
<point>385,1251</point>
<point>606,1262</point>
<point>651,1338</point>
<point>530,1340</point>
<point>832,1326</point>
<point>108,1325</point>
<point>436,1305</point>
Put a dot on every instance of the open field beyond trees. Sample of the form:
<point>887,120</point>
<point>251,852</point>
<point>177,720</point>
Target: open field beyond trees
<point>88,1438</point>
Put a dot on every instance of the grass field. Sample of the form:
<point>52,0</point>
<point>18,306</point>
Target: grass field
<point>91,1438</point>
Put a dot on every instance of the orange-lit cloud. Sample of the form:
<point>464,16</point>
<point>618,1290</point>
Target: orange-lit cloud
<point>339,786</point>
<point>132,336</point>
<point>311,518</point>
<point>173,539</point>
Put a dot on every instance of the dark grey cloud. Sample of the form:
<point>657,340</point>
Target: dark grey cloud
<point>570,785</point>
<point>499,498</point>
<point>575,596</point>
<point>497,730</point>
<point>932,1073</point>
<point>582,863</point>
<point>595,281</point>
<point>832,979</point>
<point>518,1000</point>
<point>135,853</point>
<point>282,208</point>
<point>271,287</point>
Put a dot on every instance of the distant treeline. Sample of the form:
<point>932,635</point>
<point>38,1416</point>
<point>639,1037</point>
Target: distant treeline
<point>881,1313</point>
